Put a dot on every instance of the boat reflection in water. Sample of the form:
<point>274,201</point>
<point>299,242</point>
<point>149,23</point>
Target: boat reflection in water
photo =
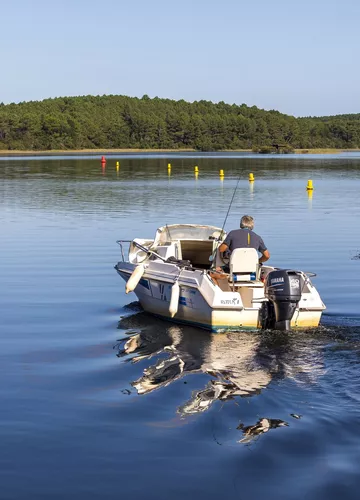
<point>239,364</point>
<point>263,425</point>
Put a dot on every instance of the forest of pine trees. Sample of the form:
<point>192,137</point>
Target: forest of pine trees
<point>106,122</point>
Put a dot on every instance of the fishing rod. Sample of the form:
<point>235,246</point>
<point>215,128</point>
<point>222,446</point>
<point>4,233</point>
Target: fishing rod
<point>227,214</point>
<point>232,199</point>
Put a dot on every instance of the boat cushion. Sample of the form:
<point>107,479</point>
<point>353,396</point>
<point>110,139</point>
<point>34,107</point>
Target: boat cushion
<point>244,264</point>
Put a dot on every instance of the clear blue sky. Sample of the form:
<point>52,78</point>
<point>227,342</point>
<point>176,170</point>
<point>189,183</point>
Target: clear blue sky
<point>300,57</point>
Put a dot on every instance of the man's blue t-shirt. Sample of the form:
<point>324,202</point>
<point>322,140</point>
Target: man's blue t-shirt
<point>244,238</point>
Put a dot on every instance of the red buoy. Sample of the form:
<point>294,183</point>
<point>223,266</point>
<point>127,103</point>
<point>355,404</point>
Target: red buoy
<point>103,160</point>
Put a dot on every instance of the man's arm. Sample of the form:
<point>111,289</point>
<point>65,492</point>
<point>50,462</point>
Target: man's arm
<point>265,254</point>
<point>223,247</point>
<point>264,257</point>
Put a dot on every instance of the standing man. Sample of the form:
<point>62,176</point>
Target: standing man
<point>245,238</point>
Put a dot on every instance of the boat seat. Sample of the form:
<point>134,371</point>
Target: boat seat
<point>244,265</point>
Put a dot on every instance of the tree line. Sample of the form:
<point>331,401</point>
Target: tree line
<point>113,121</point>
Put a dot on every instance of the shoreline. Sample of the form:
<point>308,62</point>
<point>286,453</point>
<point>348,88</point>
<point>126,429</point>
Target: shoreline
<point>95,152</point>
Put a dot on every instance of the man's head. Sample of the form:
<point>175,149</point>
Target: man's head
<point>247,222</point>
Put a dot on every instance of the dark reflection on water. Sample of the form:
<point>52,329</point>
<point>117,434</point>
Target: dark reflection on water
<point>252,432</point>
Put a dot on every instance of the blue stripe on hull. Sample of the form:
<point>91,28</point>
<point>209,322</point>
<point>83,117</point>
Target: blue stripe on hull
<point>125,276</point>
<point>145,283</point>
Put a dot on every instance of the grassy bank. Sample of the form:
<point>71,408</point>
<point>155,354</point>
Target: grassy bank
<point>324,151</point>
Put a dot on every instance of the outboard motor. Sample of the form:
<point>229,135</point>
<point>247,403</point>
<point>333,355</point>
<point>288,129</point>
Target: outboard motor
<point>283,289</point>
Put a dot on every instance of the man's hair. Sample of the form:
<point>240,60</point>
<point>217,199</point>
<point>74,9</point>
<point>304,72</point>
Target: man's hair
<point>247,222</point>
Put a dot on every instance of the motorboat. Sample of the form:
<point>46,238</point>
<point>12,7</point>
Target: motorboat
<point>176,276</point>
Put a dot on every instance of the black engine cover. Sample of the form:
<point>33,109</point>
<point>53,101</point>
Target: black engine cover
<point>283,288</point>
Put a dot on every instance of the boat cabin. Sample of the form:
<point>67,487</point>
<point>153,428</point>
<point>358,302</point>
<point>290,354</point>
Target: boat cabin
<point>191,242</point>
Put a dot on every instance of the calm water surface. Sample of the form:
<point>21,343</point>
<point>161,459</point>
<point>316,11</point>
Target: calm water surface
<point>100,400</point>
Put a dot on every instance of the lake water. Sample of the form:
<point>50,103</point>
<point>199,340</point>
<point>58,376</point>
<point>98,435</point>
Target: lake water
<point>100,400</point>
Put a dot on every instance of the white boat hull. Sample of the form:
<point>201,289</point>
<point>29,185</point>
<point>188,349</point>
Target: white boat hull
<point>217,311</point>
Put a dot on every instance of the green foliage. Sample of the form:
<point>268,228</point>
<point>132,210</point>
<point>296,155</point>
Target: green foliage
<point>122,122</point>
<point>285,150</point>
<point>265,150</point>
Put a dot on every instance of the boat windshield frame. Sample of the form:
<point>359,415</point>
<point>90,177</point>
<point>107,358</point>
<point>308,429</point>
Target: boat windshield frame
<point>174,232</point>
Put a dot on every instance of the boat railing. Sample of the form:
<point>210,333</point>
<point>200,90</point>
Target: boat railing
<point>122,244</point>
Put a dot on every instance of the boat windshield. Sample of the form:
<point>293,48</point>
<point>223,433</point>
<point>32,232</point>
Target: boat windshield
<point>173,232</point>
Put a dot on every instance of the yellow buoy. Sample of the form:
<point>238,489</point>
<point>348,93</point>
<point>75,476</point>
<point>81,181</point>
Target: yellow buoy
<point>117,166</point>
<point>169,166</point>
<point>309,186</point>
<point>251,177</point>
<point>221,173</point>
<point>196,168</point>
